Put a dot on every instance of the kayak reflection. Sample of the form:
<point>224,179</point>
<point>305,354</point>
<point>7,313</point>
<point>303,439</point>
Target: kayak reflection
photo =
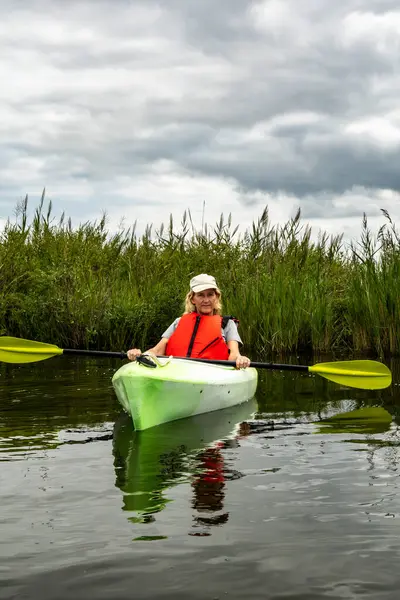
<point>149,462</point>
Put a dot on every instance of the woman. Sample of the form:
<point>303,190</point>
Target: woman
<point>200,331</point>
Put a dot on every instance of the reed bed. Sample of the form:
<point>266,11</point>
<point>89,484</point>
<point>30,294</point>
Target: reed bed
<point>86,288</point>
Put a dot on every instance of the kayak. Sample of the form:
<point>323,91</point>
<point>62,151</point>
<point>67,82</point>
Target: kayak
<point>177,388</point>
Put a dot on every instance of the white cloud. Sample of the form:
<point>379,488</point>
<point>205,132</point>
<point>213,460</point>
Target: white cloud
<point>381,131</point>
<point>381,31</point>
<point>273,16</point>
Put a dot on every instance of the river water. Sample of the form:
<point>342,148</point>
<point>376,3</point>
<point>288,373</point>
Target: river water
<point>282,497</point>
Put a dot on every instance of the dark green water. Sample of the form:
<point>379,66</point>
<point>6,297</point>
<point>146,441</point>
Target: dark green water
<point>261,501</point>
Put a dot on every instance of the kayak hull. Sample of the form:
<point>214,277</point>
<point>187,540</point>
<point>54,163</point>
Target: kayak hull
<point>179,389</point>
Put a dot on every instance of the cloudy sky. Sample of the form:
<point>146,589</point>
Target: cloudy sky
<point>145,108</point>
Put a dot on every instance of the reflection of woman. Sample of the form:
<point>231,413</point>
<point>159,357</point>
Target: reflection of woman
<point>208,489</point>
<point>209,485</point>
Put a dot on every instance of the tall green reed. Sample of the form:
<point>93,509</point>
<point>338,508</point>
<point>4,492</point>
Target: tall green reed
<point>372,294</point>
<point>86,287</point>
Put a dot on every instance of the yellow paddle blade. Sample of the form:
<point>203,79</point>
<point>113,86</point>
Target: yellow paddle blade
<point>365,374</point>
<point>15,350</point>
<point>365,420</point>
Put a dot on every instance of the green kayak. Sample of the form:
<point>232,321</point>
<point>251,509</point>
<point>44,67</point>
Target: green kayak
<point>178,388</point>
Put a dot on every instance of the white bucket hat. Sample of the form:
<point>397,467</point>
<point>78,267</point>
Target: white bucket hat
<point>202,282</point>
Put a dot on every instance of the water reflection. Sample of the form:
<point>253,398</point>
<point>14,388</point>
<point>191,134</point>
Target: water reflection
<point>149,462</point>
<point>364,420</point>
<point>45,405</point>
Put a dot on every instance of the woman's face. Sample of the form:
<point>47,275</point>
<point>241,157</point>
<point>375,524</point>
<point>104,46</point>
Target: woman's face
<point>205,302</point>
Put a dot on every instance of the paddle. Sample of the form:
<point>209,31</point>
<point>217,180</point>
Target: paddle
<point>365,374</point>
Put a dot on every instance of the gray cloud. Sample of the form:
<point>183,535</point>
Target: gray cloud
<point>279,97</point>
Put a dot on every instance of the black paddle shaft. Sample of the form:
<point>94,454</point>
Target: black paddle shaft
<point>277,366</point>
<point>256,365</point>
<point>97,353</point>
<point>226,363</point>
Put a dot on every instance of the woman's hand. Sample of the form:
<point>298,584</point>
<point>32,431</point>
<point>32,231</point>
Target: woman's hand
<point>159,349</point>
<point>133,353</point>
<point>234,355</point>
<point>242,362</point>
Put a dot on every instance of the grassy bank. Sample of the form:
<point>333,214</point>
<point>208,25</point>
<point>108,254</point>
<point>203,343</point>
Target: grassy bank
<point>82,287</point>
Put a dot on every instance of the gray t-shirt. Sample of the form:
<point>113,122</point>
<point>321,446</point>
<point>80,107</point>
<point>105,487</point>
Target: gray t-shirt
<point>229,333</point>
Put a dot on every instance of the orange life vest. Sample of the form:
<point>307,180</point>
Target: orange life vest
<point>198,336</point>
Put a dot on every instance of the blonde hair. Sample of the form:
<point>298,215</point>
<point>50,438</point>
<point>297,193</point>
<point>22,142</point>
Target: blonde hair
<point>190,307</point>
